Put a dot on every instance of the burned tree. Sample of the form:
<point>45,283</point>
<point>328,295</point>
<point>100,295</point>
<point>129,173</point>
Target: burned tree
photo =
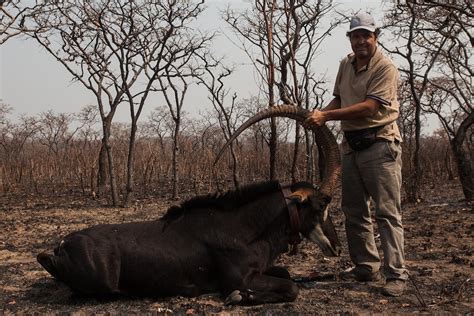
<point>117,51</point>
<point>213,77</point>
<point>451,91</point>
<point>436,56</point>
<point>405,21</point>
<point>284,38</point>
<point>13,14</point>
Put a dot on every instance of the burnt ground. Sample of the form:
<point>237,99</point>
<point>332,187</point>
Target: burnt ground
<point>439,251</point>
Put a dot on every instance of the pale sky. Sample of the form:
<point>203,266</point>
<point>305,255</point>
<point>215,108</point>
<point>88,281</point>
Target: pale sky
<point>33,82</point>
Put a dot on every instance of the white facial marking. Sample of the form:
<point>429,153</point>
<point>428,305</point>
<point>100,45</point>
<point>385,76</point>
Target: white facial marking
<point>317,236</point>
<point>325,213</point>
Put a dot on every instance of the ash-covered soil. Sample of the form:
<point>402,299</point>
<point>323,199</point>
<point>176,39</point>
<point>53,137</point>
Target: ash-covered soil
<point>439,252</point>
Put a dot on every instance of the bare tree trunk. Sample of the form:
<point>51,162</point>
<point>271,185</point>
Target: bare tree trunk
<point>416,175</point>
<point>296,151</point>
<point>309,156</point>
<point>271,81</point>
<point>175,159</point>
<point>102,175</point>
<point>448,165</point>
<point>464,169</point>
<point>130,162</point>
<point>235,178</point>
<point>273,149</point>
<point>110,159</point>
<point>463,160</point>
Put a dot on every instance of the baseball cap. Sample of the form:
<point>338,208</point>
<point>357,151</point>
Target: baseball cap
<point>362,21</point>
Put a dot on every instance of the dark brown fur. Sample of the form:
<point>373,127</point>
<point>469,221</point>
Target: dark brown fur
<point>219,243</point>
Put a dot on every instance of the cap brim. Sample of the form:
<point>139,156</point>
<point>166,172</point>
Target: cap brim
<point>368,28</point>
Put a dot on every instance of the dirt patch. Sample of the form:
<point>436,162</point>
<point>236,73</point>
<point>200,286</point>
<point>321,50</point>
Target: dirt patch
<point>439,251</point>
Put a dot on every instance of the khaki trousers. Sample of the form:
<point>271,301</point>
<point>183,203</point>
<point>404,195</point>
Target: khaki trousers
<point>374,173</point>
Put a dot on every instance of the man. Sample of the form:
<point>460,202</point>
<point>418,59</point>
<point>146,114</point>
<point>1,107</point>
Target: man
<point>365,101</point>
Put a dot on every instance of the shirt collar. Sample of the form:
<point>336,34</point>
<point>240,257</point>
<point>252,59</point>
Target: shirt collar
<point>375,57</point>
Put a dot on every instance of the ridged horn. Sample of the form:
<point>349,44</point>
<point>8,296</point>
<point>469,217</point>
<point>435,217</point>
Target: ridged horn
<point>323,137</point>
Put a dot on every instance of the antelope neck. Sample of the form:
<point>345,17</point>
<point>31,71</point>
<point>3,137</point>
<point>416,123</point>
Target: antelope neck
<point>295,223</point>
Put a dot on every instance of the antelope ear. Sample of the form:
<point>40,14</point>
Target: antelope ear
<point>296,196</point>
<point>300,195</point>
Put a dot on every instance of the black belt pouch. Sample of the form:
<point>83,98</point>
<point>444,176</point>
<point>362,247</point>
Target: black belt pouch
<point>363,138</point>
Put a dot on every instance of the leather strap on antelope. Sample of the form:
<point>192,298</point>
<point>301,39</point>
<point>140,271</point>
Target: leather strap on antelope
<point>295,224</point>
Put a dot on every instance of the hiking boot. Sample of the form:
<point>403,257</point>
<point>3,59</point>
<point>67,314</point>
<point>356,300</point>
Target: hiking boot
<point>394,287</point>
<point>360,274</point>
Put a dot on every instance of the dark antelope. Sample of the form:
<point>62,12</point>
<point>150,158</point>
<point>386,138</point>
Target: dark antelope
<point>224,243</point>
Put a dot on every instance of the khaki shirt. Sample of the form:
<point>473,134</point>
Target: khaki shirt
<point>377,80</point>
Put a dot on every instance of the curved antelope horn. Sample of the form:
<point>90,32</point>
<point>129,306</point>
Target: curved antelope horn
<point>323,136</point>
